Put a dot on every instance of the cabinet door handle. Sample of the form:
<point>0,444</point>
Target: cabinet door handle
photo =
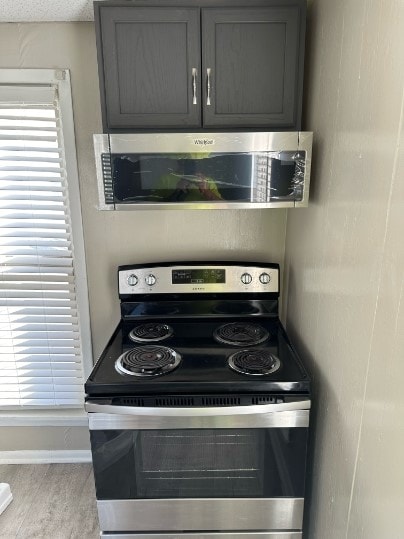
<point>194,75</point>
<point>208,72</point>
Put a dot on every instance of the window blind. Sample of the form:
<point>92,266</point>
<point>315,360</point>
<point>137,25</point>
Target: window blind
<point>40,346</point>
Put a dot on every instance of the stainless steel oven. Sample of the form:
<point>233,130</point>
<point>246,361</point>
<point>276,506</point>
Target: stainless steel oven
<point>199,408</point>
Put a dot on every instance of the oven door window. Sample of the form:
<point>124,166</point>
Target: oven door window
<point>205,463</point>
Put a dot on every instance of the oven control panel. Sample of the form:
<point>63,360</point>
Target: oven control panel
<point>198,279</point>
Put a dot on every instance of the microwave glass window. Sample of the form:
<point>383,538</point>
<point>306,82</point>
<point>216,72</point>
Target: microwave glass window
<point>233,177</point>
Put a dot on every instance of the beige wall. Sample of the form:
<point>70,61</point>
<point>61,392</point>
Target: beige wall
<point>44,439</point>
<point>113,238</point>
<point>345,269</point>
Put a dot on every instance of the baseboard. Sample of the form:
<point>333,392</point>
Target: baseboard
<point>45,457</point>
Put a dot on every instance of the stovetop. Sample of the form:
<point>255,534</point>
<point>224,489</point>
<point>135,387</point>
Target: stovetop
<point>212,321</point>
<point>203,368</point>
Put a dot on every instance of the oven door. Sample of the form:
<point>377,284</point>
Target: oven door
<point>206,469</point>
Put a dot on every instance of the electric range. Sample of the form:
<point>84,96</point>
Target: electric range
<point>199,407</point>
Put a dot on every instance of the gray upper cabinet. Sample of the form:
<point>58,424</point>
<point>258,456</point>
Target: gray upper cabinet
<point>149,55</point>
<point>250,58</point>
<point>201,65</point>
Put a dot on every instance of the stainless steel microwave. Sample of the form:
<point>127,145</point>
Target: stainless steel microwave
<point>203,170</point>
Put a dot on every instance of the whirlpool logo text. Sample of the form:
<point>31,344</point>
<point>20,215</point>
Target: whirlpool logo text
<point>204,141</point>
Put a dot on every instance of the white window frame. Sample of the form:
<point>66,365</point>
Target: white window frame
<point>60,78</point>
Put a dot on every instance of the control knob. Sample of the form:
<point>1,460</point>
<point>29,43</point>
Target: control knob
<point>150,279</point>
<point>246,278</point>
<point>132,280</point>
<point>265,278</point>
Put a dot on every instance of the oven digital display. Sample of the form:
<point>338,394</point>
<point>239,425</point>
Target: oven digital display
<point>198,276</point>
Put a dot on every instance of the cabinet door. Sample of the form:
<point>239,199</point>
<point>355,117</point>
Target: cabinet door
<point>255,66</point>
<point>148,58</point>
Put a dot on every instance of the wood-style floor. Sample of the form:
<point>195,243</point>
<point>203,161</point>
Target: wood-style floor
<point>50,501</point>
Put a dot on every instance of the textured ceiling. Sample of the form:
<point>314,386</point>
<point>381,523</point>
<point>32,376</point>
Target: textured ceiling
<point>46,10</point>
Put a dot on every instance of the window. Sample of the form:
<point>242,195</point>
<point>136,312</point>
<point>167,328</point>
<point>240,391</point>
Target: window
<point>44,324</point>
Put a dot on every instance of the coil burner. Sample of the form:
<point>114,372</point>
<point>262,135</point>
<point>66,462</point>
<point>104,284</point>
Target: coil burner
<point>147,361</point>
<point>151,332</point>
<point>241,334</point>
<point>254,362</point>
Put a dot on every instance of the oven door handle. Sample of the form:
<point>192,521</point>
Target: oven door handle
<point>283,414</point>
